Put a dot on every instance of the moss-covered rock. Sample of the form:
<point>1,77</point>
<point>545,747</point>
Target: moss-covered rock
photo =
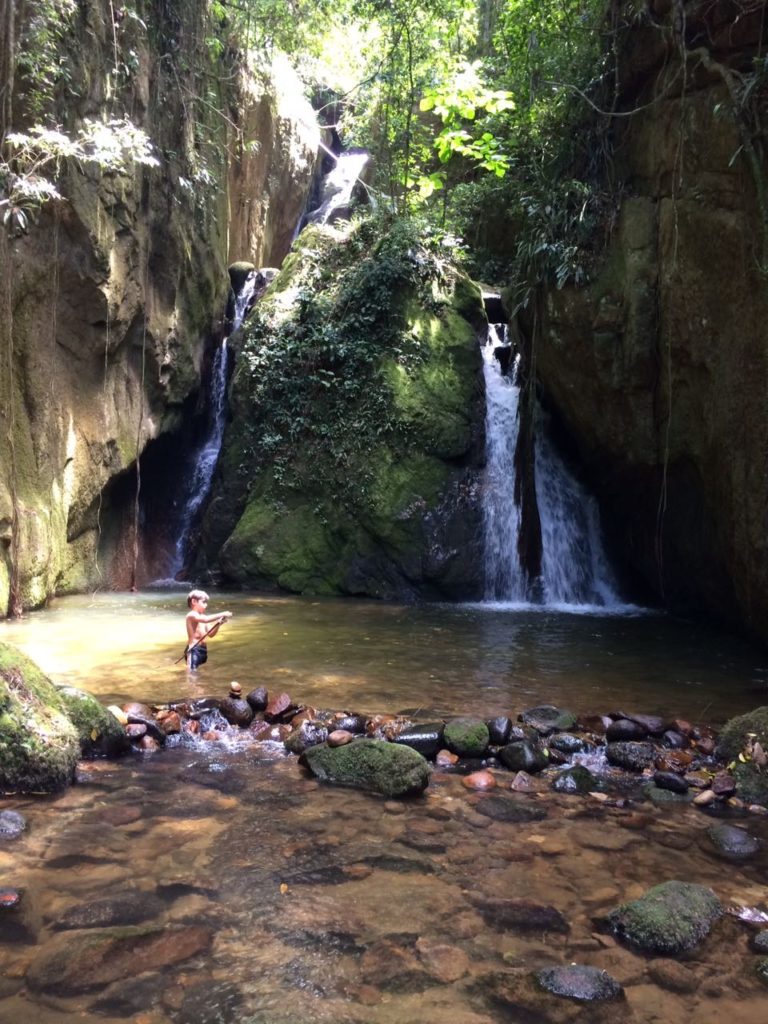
<point>467,737</point>
<point>39,745</point>
<point>737,737</point>
<point>357,420</point>
<point>374,765</point>
<point>670,918</point>
<point>576,779</point>
<point>100,733</point>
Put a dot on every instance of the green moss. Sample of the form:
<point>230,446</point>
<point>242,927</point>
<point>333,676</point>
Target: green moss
<point>98,730</point>
<point>736,732</point>
<point>670,918</point>
<point>373,765</point>
<point>467,737</point>
<point>38,743</point>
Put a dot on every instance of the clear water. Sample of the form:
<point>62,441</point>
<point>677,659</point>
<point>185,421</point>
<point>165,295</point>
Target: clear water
<point>323,904</point>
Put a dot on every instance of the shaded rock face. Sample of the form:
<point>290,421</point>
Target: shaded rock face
<point>658,369</point>
<point>115,292</point>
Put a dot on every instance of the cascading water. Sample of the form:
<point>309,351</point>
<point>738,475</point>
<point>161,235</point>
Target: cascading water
<point>207,455</point>
<point>574,569</point>
<point>338,186</point>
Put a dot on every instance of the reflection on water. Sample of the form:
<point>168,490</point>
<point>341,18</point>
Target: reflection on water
<point>376,657</point>
<point>302,902</point>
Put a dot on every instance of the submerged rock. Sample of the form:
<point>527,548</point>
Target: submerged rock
<point>523,756</point>
<point>547,718</point>
<point>575,981</point>
<point>374,765</point>
<point>576,779</point>
<point>123,909</point>
<point>631,756</point>
<point>520,915</point>
<point>733,843</point>
<point>510,809</point>
<point>670,918</point>
<point>12,824</point>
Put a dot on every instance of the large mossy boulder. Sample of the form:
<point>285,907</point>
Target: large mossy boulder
<point>373,765</point>
<point>100,733</point>
<point>738,737</point>
<point>668,919</point>
<point>351,463</point>
<point>39,745</point>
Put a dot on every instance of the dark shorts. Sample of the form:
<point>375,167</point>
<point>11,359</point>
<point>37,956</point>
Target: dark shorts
<point>197,656</point>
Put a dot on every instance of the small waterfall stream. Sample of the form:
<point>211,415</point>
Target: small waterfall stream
<point>207,455</point>
<point>574,570</point>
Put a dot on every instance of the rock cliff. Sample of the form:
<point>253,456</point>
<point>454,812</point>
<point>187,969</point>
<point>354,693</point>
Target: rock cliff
<point>659,369</point>
<point>112,295</point>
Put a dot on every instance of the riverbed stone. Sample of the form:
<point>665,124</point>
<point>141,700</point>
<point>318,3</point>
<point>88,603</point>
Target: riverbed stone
<point>625,729</point>
<point>99,732</point>
<point>760,941</point>
<point>733,843</point>
<point>576,981</point>
<point>673,976</point>
<point>633,757</point>
<point>467,737</point>
<point>519,914</point>
<point>307,734</point>
<point>510,809</point>
<point>39,745</point>
<point>374,765</point>
<point>668,919</point>
<point>258,698</point>
<point>237,711</point>
<point>670,780</point>
<point>71,963</point>
<point>392,966</point>
<point>546,718</point>
<point>427,738</point>
<point>565,742</point>
<point>576,779</point>
<point>524,756</point>
<point>445,963</point>
<point>12,824</point>
<point>499,729</point>
<point>122,909</point>
<point>279,708</point>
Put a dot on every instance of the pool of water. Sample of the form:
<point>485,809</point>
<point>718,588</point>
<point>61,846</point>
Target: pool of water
<point>264,897</point>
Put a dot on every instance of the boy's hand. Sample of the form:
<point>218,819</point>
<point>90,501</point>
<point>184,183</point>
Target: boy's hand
<point>226,615</point>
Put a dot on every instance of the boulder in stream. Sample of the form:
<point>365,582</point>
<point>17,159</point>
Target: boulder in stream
<point>467,737</point>
<point>668,919</point>
<point>39,745</point>
<point>100,733</point>
<point>374,765</point>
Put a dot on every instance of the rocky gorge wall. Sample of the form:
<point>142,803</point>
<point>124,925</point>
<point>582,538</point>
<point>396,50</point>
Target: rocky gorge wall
<point>112,295</point>
<point>659,369</point>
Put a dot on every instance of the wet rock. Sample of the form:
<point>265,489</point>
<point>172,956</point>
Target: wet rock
<point>99,732</point>
<point>706,745</point>
<point>673,976</point>
<point>724,784</point>
<point>479,780</point>
<point>237,711</point>
<point>350,723</point>
<point>634,757</point>
<point>577,779</point>
<point>150,725</point>
<point>134,731</point>
<point>761,969</point>
<point>651,723</point>
<point>16,924</point>
<point>136,710</point>
<point>131,1000</point>
<point>12,824</point>
<point>759,942</point>
<point>280,707</point>
<point>547,718</point>
<point>260,730</point>
<point>373,765</point>
<point>519,915</point>
<point>587,984</point>
<point>522,783</point>
<point>125,908</point>
<point>427,739</point>
<point>212,1002</point>
<point>467,737</point>
<point>258,698</point>
<point>510,809</point>
<point>149,744</point>
<point>307,734</point>
<point>393,967</point>
<point>340,737</point>
<point>670,918</point>
<point>169,722</point>
<point>499,729</point>
<point>673,761</point>
<point>670,780</point>
<point>674,740</point>
<point>565,742</point>
<point>733,843</point>
<point>705,798</point>
<point>443,962</point>
<point>663,796</point>
<point>625,729</point>
<point>445,759</point>
<point>524,756</point>
<point>71,963</point>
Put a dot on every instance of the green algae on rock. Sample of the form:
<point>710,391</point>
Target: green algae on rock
<point>100,733</point>
<point>374,765</point>
<point>39,745</point>
<point>467,737</point>
<point>736,740</point>
<point>668,919</point>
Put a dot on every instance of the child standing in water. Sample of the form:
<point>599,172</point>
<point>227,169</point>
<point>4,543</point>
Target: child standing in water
<point>199,628</point>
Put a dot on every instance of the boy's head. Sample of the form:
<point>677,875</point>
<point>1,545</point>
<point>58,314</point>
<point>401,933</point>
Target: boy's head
<point>196,595</point>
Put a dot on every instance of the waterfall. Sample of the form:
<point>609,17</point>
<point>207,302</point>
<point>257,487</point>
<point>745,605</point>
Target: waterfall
<point>574,570</point>
<point>337,187</point>
<point>206,456</point>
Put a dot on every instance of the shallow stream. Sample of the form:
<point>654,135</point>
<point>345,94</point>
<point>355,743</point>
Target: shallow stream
<point>300,902</point>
